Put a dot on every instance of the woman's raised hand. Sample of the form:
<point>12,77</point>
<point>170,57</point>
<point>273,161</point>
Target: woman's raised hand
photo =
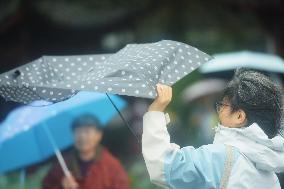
<point>164,97</point>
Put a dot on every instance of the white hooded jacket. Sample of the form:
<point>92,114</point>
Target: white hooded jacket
<point>256,157</point>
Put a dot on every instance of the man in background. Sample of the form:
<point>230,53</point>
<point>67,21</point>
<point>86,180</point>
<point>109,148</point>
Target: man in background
<point>91,165</point>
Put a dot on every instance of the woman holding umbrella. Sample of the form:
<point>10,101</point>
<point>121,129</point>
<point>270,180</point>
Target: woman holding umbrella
<point>247,148</point>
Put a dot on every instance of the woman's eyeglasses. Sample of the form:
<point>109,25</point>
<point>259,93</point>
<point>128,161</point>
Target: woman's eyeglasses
<point>220,104</point>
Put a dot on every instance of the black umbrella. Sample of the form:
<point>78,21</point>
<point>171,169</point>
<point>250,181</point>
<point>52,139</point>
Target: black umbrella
<point>134,71</point>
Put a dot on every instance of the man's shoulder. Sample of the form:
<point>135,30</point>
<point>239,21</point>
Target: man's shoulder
<point>107,156</point>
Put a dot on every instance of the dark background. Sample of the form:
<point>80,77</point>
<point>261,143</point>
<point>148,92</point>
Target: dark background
<point>30,29</point>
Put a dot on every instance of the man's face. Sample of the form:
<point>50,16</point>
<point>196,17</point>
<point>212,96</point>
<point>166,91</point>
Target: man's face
<point>87,138</point>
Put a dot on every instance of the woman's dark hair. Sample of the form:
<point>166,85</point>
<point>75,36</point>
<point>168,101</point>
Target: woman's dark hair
<point>258,97</point>
<point>87,120</point>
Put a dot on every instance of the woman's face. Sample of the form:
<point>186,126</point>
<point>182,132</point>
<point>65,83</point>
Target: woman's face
<point>228,118</point>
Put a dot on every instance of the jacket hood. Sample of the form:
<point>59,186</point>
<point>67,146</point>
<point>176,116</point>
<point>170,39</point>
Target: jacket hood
<point>266,154</point>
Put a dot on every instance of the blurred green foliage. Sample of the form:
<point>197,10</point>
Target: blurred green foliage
<point>32,180</point>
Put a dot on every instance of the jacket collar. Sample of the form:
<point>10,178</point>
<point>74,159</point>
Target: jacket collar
<point>253,133</point>
<point>75,159</point>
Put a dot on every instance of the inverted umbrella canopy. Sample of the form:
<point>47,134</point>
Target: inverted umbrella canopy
<point>31,134</point>
<point>231,61</point>
<point>134,71</point>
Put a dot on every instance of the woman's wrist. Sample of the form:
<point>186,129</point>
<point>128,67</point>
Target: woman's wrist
<point>156,108</point>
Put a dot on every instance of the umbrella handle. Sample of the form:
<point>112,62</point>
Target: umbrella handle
<point>57,151</point>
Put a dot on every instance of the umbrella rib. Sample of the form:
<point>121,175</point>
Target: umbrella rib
<point>123,119</point>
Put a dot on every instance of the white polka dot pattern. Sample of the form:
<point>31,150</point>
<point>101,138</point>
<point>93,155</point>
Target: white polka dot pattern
<point>133,71</point>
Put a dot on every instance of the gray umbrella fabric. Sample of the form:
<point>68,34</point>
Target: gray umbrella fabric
<point>134,71</point>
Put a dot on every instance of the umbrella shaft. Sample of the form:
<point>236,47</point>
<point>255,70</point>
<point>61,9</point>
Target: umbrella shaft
<point>123,119</point>
<point>62,163</point>
<point>57,151</point>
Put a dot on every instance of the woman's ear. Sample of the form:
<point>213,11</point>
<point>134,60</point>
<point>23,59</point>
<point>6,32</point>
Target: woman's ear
<point>241,117</point>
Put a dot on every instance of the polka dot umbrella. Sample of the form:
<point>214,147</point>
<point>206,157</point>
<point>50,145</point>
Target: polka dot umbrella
<point>134,71</point>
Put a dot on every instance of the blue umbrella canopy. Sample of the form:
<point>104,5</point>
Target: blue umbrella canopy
<point>254,60</point>
<point>30,133</point>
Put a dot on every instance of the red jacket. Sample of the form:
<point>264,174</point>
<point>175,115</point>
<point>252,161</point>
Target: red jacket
<point>105,172</point>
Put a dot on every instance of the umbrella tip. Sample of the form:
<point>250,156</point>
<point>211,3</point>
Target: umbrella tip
<point>17,73</point>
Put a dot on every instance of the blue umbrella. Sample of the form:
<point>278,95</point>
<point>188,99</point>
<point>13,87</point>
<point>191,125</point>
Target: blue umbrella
<point>231,61</point>
<point>31,134</point>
